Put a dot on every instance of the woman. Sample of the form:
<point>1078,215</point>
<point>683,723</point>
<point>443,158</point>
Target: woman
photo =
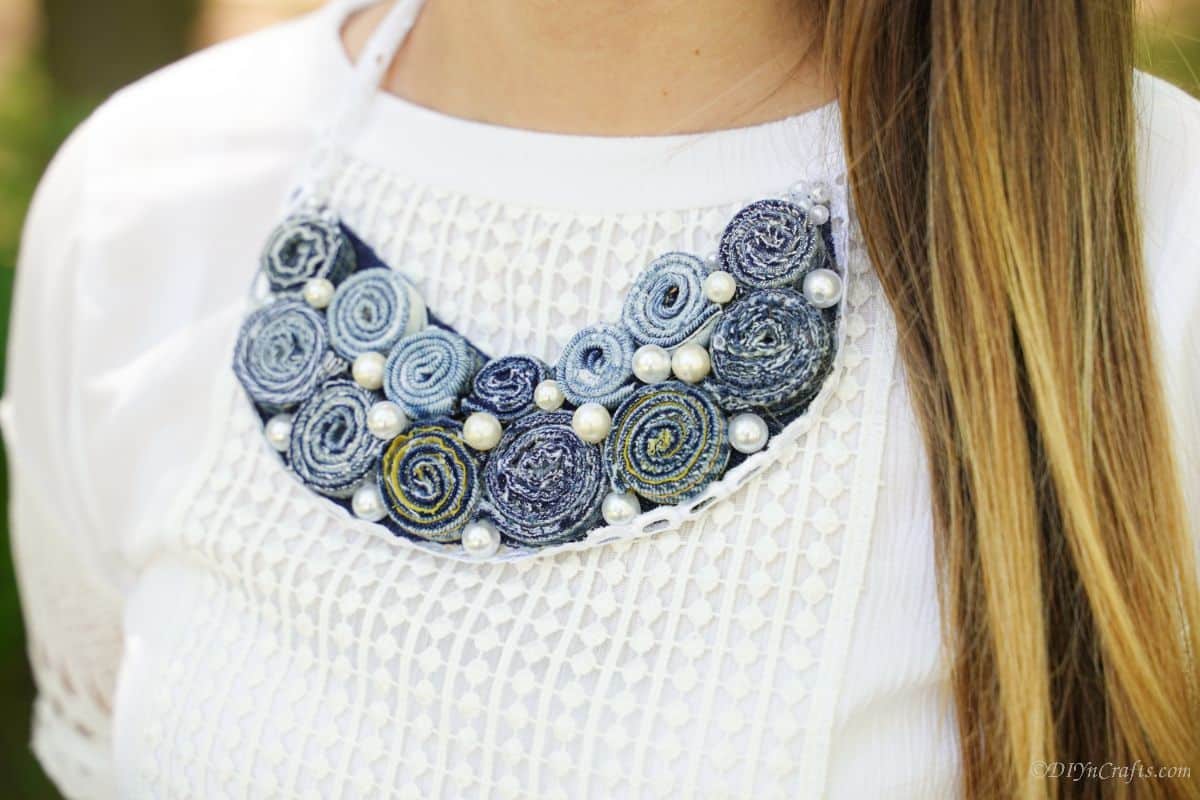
<point>950,554</point>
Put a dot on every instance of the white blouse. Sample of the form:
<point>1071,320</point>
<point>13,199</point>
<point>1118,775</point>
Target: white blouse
<point>203,626</point>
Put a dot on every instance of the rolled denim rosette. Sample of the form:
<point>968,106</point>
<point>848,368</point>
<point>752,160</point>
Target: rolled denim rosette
<point>667,305</point>
<point>282,354</point>
<point>544,485</point>
<point>331,450</point>
<point>303,247</point>
<point>427,373</point>
<point>504,387</point>
<point>429,479</point>
<point>596,366</point>
<point>668,443</point>
<point>771,243</point>
<point>373,310</point>
<point>770,353</point>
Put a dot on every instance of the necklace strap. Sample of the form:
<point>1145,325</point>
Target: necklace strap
<point>369,72</point>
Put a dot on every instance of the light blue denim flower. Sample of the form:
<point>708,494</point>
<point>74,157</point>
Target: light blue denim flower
<point>667,306</point>
<point>596,366</point>
<point>427,373</point>
<point>371,311</point>
<point>331,450</point>
<point>282,354</point>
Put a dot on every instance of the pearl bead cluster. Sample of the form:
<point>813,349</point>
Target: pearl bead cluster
<point>813,198</point>
<point>592,422</point>
<point>821,287</point>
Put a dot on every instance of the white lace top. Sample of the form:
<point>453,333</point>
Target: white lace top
<point>203,626</point>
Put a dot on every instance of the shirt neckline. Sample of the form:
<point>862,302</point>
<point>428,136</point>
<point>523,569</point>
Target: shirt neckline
<point>574,172</point>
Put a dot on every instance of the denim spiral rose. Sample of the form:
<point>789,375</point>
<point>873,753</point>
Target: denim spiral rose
<point>303,247</point>
<point>668,443</point>
<point>544,485</point>
<point>331,450</point>
<point>771,243</point>
<point>596,366</point>
<point>667,306</point>
<point>373,310</point>
<point>282,354</point>
<point>428,372</point>
<point>504,387</point>
<point>429,479</point>
<point>770,353</point>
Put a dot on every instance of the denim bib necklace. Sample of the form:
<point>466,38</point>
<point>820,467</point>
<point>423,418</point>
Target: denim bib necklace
<point>376,404</point>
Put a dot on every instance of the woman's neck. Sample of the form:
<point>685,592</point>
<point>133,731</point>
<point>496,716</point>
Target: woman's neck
<point>608,67</point>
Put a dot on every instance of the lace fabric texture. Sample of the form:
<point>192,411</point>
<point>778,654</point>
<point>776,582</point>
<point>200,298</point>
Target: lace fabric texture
<point>695,662</point>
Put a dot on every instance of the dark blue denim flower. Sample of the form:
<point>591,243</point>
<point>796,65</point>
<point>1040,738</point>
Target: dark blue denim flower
<point>303,247</point>
<point>504,387</point>
<point>770,353</point>
<point>668,443</point>
<point>771,243</point>
<point>544,485</point>
<point>430,481</point>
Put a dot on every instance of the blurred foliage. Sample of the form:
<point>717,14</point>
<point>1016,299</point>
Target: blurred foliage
<point>1169,44</point>
<point>92,47</point>
<point>32,124</point>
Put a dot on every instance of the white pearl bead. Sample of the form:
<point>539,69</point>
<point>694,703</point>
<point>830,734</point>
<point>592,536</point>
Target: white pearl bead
<point>822,288</point>
<point>368,370</point>
<point>279,431</point>
<point>804,204</point>
<point>481,539</point>
<point>818,215</point>
<point>548,396</point>
<point>482,430</point>
<point>748,433</point>
<point>720,287</point>
<point>691,363</point>
<point>620,507</point>
<point>318,292</point>
<point>819,194</point>
<point>713,260</point>
<point>651,364</point>
<point>798,190</point>
<point>591,422</point>
<point>386,420</point>
<point>367,503</point>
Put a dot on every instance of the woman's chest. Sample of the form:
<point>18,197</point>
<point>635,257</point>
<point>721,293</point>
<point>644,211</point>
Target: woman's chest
<point>324,656</point>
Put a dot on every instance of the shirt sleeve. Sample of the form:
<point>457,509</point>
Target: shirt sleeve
<point>70,590</point>
<point>1169,179</point>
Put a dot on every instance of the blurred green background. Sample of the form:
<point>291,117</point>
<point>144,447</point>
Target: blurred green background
<point>59,58</point>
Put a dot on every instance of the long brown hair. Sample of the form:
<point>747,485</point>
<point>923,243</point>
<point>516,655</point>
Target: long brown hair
<point>991,152</point>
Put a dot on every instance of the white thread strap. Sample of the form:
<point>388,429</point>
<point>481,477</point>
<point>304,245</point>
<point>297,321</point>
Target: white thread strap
<point>369,72</point>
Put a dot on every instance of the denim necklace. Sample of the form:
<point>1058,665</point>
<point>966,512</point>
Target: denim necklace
<point>376,404</point>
